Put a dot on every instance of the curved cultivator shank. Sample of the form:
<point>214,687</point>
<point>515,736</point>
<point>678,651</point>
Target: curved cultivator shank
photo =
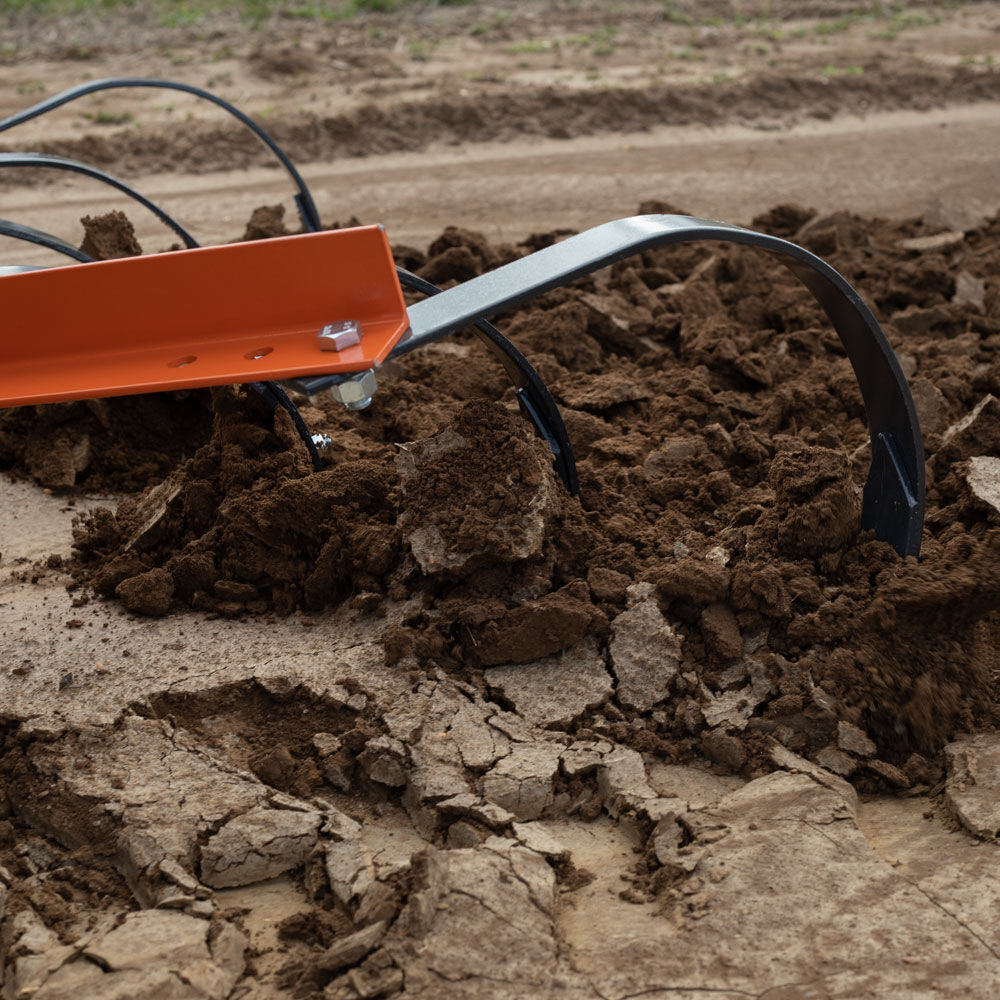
<point>344,316</point>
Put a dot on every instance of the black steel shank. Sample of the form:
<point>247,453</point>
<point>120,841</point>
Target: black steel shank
<point>893,502</point>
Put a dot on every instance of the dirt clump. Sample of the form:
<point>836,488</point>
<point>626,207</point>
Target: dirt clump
<point>104,445</point>
<point>109,236</point>
<point>265,222</point>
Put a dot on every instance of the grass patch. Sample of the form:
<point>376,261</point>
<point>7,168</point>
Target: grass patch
<point>107,117</point>
<point>601,42</point>
<point>831,70</point>
<point>901,21</point>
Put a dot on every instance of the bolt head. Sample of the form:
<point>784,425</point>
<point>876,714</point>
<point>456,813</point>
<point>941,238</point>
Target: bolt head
<point>339,336</point>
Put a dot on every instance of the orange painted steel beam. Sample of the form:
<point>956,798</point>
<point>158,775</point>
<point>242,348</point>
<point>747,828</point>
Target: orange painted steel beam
<point>245,312</point>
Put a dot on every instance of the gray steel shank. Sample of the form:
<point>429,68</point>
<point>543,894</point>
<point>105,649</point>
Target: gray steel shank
<point>893,503</point>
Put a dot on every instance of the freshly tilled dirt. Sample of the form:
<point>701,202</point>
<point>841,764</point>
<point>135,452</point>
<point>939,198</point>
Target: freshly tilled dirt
<point>721,444</point>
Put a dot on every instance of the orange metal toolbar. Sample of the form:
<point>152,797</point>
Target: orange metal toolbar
<point>244,312</point>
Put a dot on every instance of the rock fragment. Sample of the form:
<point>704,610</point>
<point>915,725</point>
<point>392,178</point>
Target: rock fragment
<point>732,709</point>
<point>458,515</point>
<point>351,949</point>
<point>384,761</point>
<point>937,242</point>
<point>522,781</point>
<point>32,953</point>
<point>146,513</point>
<point>129,778</point>
<point>977,433</point>
<point>790,761</point>
<point>152,955</point>
<point>597,393</point>
<point>472,806</point>
<point>645,655</point>
<point>969,291</point>
<point>983,480</point>
<point>972,789</point>
<point>478,913</point>
<point>479,744</point>
<point>556,689</point>
<point>836,761</point>
<point>536,838</point>
<point>258,845</point>
<point>622,782</point>
<point>930,404</point>
<point>890,772</point>
<point>853,740</point>
<point>350,869</point>
<point>787,839</point>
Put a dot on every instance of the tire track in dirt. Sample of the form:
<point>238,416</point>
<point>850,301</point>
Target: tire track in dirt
<point>770,99</point>
<point>884,164</point>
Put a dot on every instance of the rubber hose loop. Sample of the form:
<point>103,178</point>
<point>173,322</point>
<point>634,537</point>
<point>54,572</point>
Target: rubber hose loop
<point>47,162</point>
<point>532,393</point>
<point>303,200</point>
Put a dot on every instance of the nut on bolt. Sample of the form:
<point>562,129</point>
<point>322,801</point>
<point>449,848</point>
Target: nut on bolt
<point>356,391</point>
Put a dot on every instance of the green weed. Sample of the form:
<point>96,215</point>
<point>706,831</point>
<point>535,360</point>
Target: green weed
<point>102,117</point>
<point>831,70</point>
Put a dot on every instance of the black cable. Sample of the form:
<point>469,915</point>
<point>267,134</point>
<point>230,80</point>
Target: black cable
<point>532,393</point>
<point>17,231</point>
<point>45,161</point>
<point>303,200</point>
<point>274,394</point>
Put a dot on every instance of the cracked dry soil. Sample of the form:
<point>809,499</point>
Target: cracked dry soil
<point>421,724</point>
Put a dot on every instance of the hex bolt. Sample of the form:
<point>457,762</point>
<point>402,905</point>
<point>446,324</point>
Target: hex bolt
<point>339,336</point>
<point>356,392</point>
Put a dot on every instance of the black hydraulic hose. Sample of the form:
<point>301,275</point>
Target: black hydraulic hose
<point>275,395</point>
<point>532,393</point>
<point>303,199</point>
<point>45,161</point>
<point>18,231</point>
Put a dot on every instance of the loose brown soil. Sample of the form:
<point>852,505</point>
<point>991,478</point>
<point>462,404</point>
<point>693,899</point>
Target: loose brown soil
<point>423,724</point>
<point>721,444</point>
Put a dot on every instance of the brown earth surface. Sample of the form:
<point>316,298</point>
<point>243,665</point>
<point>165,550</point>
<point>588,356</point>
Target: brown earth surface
<point>421,724</point>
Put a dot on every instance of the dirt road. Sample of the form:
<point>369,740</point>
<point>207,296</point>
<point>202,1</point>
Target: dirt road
<point>421,724</point>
